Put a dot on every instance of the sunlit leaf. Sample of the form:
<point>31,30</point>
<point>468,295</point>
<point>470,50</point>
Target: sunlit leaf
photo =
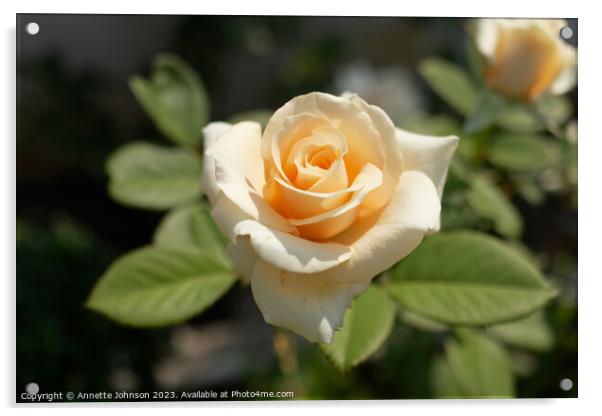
<point>175,98</point>
<point>155,286</point>
<point>451,83</point>
<point>468,278</point>
<point>148,176</point>
<point>190,226</point>
<point>480,366</point>
<point>531,332</point>
<point>421,322</point>
<point>365,328</point>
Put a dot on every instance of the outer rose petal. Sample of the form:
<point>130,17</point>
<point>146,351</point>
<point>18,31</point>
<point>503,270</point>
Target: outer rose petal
<point>382,239</point>
<point>211,133</point>
<point>567,79</point>
<point>239,147</point>
<point>289,252</point>
<point>278,248</point>
<point>239,173</point>
<point>392,166</point>
<point>427,154</point>
<point>243,257</point>
<point>306,305</point>
<point>314,305</point>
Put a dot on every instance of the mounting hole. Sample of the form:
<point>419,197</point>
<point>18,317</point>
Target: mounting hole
<point>566,33</point>
<point>566,384</point>
<point>32,28</point>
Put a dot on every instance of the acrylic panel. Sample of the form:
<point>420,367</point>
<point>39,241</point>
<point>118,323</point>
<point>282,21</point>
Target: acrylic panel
<point>295,207</point>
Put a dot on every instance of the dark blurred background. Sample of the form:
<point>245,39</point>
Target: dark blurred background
<point>74,107</point>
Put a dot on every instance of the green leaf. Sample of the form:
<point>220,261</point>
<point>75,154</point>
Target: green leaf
<point>418,321</point>
<point>531,332</point>
<point>556,109</point>
<point>489,202</point>
<point>523,152</point>
<point>175,98</point>
<point>520,118</point>
<point>154,286</point>
<point>366,326</point>
<point>480,366</point>
<point>260,116</point>
<point>468,278</point>
<point>443,382</point>
<point>529,189</point>
<point>148,176</point>
<point>486,111</point>
<point>451,83</point>
<point>517,118</point>
<point>191,226</point>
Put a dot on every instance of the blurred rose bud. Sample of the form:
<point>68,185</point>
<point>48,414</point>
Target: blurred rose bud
<point>526,57</point>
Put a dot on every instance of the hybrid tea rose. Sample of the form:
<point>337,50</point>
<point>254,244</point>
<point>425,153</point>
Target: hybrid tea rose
<point>526,57</point>
<point>329,196</point>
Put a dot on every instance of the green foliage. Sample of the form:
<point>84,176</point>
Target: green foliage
<point>486,111</point>
<point>491,203</point>
<point>366,326</point>
<point>523,152</point>
<point>148,176</point>
<point>153,286</point>
<point>175,98</point>
<point>529,189</point>
<point>480,366</point>
<point>190,226</point>
<point>533,118</point>
<point>444,384</point>
<point>421,322</point>
<point>532,332</point>
<point>451,83</point>
<point>468,278</point>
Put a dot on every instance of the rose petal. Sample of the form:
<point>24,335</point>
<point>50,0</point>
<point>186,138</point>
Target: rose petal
<point>289,252</point>
<point>307,306</point>
<point>392,164</point>
<point>243,257</point>
<point>368,130</point>
<point>430,155</point>
<point>294,128</point>
<point>239,149</point>
<point>239,174</point>
<point>382,239</point>
<point>314,178</point>
<point>567,79</point>
<point>488,31</point>
<point>211,132</point>
<point>333,222</point>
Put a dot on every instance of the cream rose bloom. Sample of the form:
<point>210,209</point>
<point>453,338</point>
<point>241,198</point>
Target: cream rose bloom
<point>526,57</point>
<point>330,195</point>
